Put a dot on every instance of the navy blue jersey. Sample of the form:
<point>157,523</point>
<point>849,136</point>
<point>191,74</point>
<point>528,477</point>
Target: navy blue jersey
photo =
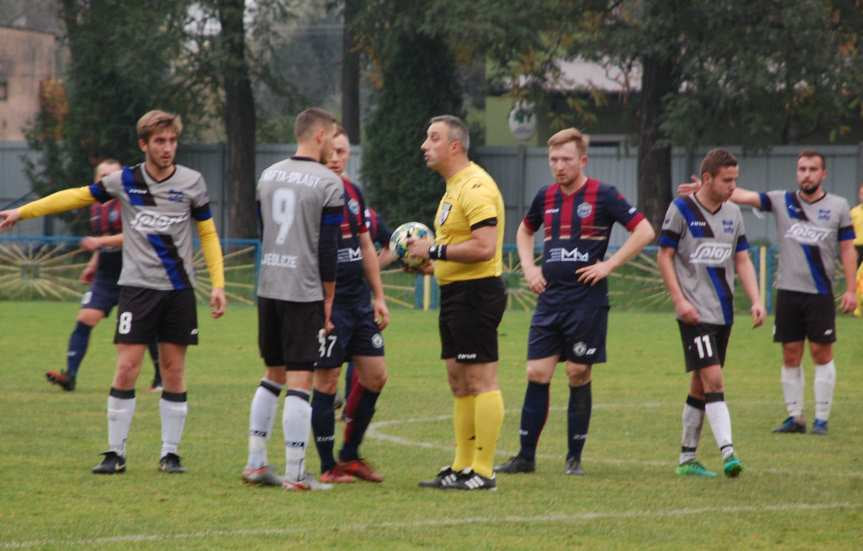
<point>378,230</point>
<point>577,228</point>
<point>350,279</point>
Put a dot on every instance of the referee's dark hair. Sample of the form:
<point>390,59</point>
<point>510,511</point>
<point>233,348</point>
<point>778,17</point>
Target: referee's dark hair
<point>458,131</point>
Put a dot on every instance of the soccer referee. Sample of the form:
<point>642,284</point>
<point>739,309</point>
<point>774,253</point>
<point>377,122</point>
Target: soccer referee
<point>467,255</point>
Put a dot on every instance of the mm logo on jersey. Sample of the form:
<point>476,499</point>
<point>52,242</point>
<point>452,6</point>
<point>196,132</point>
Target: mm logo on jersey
<point>350,255</point>
<point>559,254</point>
<point>146,221</point>
<point>711,253</point>
<point>804,233</point>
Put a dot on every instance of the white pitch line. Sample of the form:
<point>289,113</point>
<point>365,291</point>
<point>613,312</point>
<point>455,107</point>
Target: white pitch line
<point>440,522</point>
<point>375,433</point>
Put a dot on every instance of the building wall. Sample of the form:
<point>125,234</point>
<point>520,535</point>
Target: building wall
<point>27,58</point>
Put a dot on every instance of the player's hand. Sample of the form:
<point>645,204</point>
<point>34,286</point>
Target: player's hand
<point>419,247</point>
<point>329,327</point>
<point>687,312</point>
<point>849,302</point>
<point>382,313</point>
<point>534,278</point>
<point>757,315</point>
<point>218,302</point>
<point>88,274</point>
<point>91,244</point>
<point>691,187</point>
<point>593,274</point>
<point>8,218</point>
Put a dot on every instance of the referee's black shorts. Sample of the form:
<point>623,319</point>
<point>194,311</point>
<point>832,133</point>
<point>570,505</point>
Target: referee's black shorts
<point>470,312</point>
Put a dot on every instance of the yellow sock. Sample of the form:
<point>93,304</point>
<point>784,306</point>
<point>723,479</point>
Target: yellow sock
<point>463,426</point>
<point>489,418</point>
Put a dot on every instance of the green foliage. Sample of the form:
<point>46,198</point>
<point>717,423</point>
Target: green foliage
<point>419,82</point>
<point>120,67</point>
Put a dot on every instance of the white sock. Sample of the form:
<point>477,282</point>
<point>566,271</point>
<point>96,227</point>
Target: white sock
<point>261,418</point>
<point>297,424</point>
<point>825,382</point>
<point>720,424</point>
<point>120,412</point>
<point>793,384</point>
<point>173,411</point>
<point>693,420</point>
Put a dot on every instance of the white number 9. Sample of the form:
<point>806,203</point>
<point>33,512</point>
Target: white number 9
<point>284,201</point>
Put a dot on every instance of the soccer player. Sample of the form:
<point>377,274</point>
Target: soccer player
<point>357,337</point>
<point>703,242</point>
<point>812,226</point>
<point>160,199</point>
<point>467,263</point>
<point>856,214</point>
<point>300,203</point>
<point>570,321</point>
<point>102,272</point>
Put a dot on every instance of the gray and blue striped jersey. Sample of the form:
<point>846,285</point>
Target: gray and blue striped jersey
<point>705,243</point>
<point>809,236</point>
<point>157,224</point>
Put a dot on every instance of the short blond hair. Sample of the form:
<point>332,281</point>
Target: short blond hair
<point>155,120</point>
<point>570,135</point>
<point>310,119</point>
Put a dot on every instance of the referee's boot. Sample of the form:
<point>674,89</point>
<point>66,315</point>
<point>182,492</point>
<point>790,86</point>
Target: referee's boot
<point>516,464</point>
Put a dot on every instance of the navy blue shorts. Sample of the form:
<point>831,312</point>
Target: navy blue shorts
<point>356,334</point>
<point>574,335</point>
<point>104,293</point>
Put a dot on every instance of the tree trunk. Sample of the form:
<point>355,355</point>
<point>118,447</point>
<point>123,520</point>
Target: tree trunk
<point>350,75</point>
<point>654,152</point>
<point>239,122</point>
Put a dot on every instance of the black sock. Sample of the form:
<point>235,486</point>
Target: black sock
<point>324,428</point>
<point>534,413</point>
<point>578,419</point>
<point>78,341</point>
<point>356,426</point>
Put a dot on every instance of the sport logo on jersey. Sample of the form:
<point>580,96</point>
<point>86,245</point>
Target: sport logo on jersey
<point>712,253</point>
<point>354,206</point>
<point>804,233</point>
<point>560,254</point>
<point>584,210</point>
<point>824,214</point>
<point>350,255</point>
<point>445,209</point>
<point>728,226</point>
<point>146,221</point>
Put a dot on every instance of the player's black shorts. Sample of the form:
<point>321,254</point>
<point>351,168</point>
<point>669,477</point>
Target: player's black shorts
<point>102,295</point>
<point>574,335</point>
<point>802,316</point>
<point>356,334</point>
<point>704,344</point>
<point>145,315</point>
<point>288,332</point>
<point>470,312</point>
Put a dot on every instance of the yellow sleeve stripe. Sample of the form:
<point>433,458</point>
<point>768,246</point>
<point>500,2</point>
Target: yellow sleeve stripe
<point>212,252</point>
<point>68,199</point>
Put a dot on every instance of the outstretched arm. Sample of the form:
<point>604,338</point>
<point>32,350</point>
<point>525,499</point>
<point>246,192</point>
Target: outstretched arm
<point>67,199</point>
<point>740,195</point>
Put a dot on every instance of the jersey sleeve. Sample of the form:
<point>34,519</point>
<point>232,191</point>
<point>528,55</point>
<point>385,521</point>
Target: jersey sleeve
<point>200,201</point>
<point>360,215</point>
<point>533,219</point>
<point>769,200</point>
<point>384,233</point>
<point>672,228</point>
<point>478,202</point>
<point>741,243</point>
<point>846,227</point>
<point>108,187</point>
<point>621,210</point>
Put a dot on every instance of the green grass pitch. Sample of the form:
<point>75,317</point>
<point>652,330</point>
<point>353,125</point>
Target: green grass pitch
<point>797,492</point>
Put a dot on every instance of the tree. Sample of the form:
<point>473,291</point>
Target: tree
<point>419,81</point>
<point>120,67</point>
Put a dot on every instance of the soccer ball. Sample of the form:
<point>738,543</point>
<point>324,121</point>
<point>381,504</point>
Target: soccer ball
<point>399,242</point>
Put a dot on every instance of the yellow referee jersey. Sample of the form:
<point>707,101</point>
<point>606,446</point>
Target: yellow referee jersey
<point>471,197</point>
<point>857,221</point>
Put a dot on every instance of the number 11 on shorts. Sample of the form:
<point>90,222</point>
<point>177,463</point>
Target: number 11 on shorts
<point>702,342</point>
